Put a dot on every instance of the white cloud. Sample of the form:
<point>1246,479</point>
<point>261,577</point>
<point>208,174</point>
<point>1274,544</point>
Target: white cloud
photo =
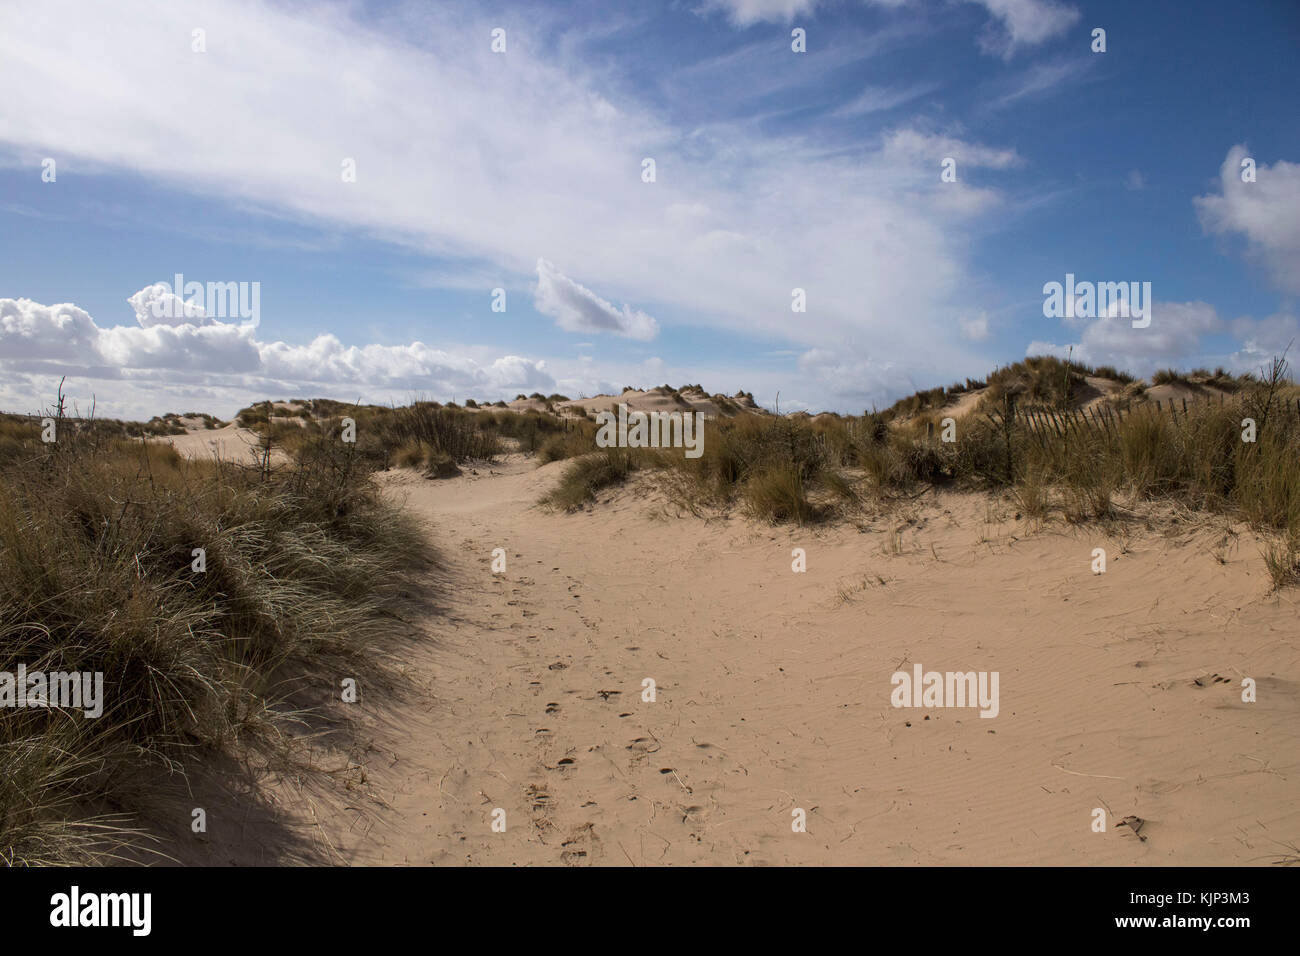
<point>157,304</point>
<point>576,308</point>
<point>743,13</point>
<point>913,144</point>
<point>1266,213</point>
<point>32,334</point>
<point>1264,339</point>
<point>515,154</point>
<point>1135,180</point>
<point>1036,81</point>
<point>1026,23</point>
<point>40,343</point>
<point>878,99</point>
<point>1023,22</point>
<point>1175,334</point>
<point>848,379</point>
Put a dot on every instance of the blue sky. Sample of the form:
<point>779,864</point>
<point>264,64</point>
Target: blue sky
<point>522,170</point>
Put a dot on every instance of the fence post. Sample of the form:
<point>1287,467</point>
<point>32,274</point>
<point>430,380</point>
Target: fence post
<point>1008,411</point>
<point>1111,430</point>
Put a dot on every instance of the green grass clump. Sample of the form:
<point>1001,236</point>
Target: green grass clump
<point>777,494</point>
<point>585,476</point>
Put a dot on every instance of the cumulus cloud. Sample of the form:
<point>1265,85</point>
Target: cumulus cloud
<point>32,335</point>
<point>53,340</point>
<point>157,304</point>
<point>576,308</point>
<point>1266,213</point>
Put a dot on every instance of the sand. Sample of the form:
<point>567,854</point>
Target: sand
<point>229,443</point>
<point>773,691</point>
<point>1119,691</point>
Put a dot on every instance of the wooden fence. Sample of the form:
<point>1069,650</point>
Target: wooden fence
<point>1046,425</point>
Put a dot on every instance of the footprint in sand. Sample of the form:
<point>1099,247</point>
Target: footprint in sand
<point>581,847</point>
<point>539,801</point>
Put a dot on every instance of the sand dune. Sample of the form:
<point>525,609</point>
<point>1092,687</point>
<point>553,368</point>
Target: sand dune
<point>688,399</point>
<point>1119,691</point>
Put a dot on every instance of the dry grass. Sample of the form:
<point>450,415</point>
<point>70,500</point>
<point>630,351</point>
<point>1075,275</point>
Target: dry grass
<point>97,539</point>
<point>585,476</point>
<point>800,470</point>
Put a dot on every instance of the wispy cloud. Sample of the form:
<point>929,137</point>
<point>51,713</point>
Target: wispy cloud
<point>879,99</point>
<point>1037,81</point>
<point>1016,24</point>
<point>910,143</point>
<point>513,158</point>
<point>744,13</point>
<point>1025,23</point>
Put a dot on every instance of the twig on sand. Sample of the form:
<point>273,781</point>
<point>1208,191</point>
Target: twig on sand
<point>444,792</point>
<point>1107,806</point>
<point>1104,776</point>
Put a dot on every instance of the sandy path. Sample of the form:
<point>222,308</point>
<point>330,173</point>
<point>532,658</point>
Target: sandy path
<point>229,443</point>
<point>773,692</point>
